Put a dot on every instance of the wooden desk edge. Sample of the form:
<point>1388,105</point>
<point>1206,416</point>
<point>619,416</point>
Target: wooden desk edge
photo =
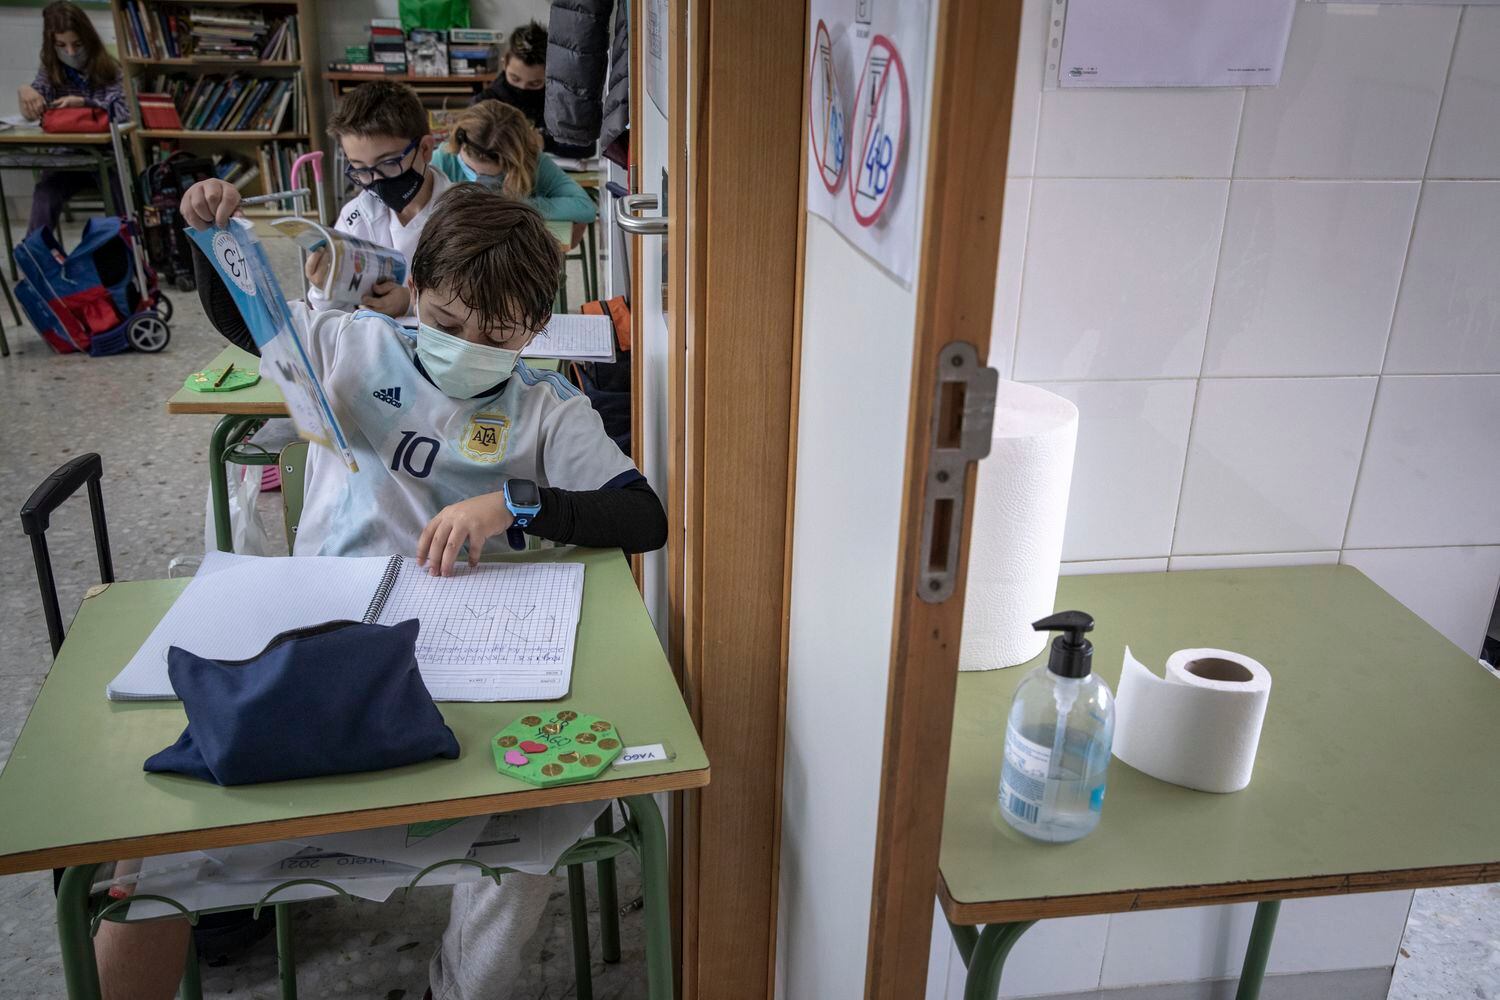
<point>223,409</point>
<point>1127,901</point>
<point>363,819</point>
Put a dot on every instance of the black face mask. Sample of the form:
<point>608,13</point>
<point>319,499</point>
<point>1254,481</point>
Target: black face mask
<point>397,192</point>
<point>529,102</point>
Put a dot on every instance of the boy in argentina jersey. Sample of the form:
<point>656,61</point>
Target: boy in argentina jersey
<point>439,421</point>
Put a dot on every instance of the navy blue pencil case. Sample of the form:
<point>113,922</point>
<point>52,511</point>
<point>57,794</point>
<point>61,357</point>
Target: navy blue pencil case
<point>328,699</point>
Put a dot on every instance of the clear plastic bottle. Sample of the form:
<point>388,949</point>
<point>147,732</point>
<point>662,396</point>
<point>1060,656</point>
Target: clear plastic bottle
<point>1057,740</point>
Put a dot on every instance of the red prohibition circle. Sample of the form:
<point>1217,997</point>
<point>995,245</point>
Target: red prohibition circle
<point>820,151</point>
<point>878,42</point>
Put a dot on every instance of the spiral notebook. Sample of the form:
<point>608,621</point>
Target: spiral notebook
<point>498,632</point>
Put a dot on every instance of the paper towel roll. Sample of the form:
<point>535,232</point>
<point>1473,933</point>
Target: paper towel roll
<point>1020,507</point>
<point>1200,726</point>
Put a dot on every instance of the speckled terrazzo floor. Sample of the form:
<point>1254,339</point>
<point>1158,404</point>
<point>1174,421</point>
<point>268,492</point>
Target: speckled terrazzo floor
<point>155,484</point>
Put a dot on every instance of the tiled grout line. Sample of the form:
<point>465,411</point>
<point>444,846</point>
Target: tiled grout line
<point>1416,214</point>
<point>1187,447</point>
<point>1015,340</point>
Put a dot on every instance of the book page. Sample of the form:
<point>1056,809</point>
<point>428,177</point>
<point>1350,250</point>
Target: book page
<point>497,632</point>
<point>356,265</point>
<point>576,337</point>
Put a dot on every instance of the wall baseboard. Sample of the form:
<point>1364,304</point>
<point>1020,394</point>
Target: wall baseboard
<point>1345,984</point>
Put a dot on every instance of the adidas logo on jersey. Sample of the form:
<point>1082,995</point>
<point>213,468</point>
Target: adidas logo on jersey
<point>391,395</point>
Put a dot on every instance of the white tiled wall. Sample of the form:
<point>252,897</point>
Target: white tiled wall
<point>1278,311</point>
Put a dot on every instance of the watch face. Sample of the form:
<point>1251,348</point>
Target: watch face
<point>523,493</point>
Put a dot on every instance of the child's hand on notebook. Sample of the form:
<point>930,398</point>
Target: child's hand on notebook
<point>210,203</point>
<point>473,520</point>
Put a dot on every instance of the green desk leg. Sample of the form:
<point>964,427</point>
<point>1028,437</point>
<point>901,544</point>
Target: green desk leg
<point>227,433</point>
<point>591,262</point>
<point>10,246</point>
<point>80,972</point>
<point>984,953</point>
<point>578,909</point>
<point>286,962</point>
<point>609,902</point>
<point>106,190</point>
<point>651,847</point>
<point>192,975</point>
<point>1259,949</point>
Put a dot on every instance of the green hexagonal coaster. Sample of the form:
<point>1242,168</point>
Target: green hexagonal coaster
<point>564,748</point>
<point>217,380</point>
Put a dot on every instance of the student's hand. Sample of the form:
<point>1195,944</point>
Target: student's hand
<point>209,203</point>
<point>388,297</point>
<point>316,268</point>
<point>473,520</point>
<point>32,103</point>
<point>71,101</point>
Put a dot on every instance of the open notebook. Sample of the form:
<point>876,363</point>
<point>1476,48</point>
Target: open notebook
<point>499,632</point>
<point>575,337</point>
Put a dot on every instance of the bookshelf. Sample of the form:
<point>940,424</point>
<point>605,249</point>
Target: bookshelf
<point>196,51</point>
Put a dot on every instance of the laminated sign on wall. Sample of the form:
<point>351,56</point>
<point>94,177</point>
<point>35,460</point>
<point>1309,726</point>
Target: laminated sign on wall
<point>867,84</point>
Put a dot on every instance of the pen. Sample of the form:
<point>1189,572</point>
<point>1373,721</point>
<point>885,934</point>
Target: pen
<point>223,375</point>
<point>262,199</point>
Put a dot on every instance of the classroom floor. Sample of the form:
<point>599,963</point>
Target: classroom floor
<point>154,484</point>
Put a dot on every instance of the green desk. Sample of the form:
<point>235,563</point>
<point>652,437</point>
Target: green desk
<point>244,411</point>
<point>1375,768</point>
<point>75,739</point>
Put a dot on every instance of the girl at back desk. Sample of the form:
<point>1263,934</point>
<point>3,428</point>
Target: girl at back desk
<point>75,71</point>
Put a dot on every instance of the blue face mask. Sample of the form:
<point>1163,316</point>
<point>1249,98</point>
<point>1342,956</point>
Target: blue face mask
<point>493,182</point>
<point>461,369</point>
<point>72,60</point>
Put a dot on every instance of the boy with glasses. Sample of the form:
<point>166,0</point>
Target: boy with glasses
<point>382,129</point>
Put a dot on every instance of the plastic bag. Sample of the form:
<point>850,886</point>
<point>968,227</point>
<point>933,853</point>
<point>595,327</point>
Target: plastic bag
<point>439,15</point>
<point>247,532</point>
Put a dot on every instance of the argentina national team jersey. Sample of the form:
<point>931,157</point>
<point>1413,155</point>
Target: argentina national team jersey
<point>420,450</point>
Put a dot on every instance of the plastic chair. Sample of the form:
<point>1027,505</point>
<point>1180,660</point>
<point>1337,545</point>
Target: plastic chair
<point>293,462</point>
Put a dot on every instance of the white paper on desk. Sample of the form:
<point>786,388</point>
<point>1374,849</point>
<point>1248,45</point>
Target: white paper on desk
<point>575,337</point>
<point>1174,43</point>
<point>248,602</point>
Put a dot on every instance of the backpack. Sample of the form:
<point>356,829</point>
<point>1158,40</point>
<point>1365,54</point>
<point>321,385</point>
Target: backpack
<point>607,383</point>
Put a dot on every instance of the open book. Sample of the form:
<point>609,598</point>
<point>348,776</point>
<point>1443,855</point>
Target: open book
<point>355,266</point>
<point>241,262</point>
<point>498,632</point>
<point>574,337</point>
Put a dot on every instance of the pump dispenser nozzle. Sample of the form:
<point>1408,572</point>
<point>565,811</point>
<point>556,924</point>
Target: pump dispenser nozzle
<point>1072,654</point>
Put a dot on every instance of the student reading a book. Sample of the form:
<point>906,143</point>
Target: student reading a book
<point>522,84</point>
<point>438,424</point>
<point>492,144</point>
<point>75,72</point>
<point>382,129</point>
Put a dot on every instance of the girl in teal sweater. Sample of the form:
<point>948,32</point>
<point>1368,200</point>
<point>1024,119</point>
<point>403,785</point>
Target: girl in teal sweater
<point>494,145</point>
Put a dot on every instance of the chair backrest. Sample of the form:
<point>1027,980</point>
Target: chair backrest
<point>36,515</point>
<point>293,461</point>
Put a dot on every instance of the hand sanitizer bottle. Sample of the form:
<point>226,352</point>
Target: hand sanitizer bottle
<point>1057,741</point>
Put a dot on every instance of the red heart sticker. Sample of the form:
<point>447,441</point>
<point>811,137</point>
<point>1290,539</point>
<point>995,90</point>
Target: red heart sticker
<point>531,747</point>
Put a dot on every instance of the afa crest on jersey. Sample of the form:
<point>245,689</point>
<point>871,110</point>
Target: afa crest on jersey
<point>485,437</point>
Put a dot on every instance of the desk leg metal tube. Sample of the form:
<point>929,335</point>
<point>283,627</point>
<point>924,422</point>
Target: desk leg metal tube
<point>965,937</point>
<point>226,434</point>
<point>651,838</point>
<point>987,961</point>
<point>609,902</point>
<point>578,910</point>
<point>1259,949</point>
<point>286,955</point>
<point>192,975</point>
<point>80,972</point>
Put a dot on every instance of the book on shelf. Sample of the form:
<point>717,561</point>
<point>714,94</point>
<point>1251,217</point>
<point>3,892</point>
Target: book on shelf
<point>475,36</point>
<point>210,34</point>
<point>387,69</point>
<point>234,103</point>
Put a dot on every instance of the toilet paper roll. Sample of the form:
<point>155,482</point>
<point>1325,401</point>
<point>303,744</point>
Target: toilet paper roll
<point>1200,725</point>
<point>1020,507</point>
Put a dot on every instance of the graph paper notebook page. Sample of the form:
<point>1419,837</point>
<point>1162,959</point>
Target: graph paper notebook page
<point>499,632</point>
<point>575,336</point>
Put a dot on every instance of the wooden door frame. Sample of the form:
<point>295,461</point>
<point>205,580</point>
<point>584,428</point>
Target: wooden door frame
<point>973,82</point>
<point>734,307</point>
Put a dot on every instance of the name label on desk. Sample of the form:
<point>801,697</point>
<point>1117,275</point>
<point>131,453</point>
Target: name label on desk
<point>647,753</point>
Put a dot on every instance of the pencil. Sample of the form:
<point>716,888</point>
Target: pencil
<point>223,375</point>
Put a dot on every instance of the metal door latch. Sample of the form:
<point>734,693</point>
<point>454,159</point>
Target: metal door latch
<point>963,420</point>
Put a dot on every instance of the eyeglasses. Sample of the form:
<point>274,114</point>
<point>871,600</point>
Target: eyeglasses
<point>389,167</point>
<point>463,139</point>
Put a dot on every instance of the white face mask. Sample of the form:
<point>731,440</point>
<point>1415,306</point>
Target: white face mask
<point>73,60</point>
<point>461,369</point>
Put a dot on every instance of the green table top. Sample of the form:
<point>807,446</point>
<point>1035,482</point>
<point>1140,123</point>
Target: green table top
<point>73,791</point>
<point>1375,769</point>
<point>261,399</point>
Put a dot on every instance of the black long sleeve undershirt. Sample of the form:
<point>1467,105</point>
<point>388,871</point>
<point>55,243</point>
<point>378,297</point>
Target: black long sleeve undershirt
<point>629,517</point>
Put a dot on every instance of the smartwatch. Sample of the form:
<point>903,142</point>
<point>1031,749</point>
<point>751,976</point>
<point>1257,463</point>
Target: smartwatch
<point>524,501</point>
